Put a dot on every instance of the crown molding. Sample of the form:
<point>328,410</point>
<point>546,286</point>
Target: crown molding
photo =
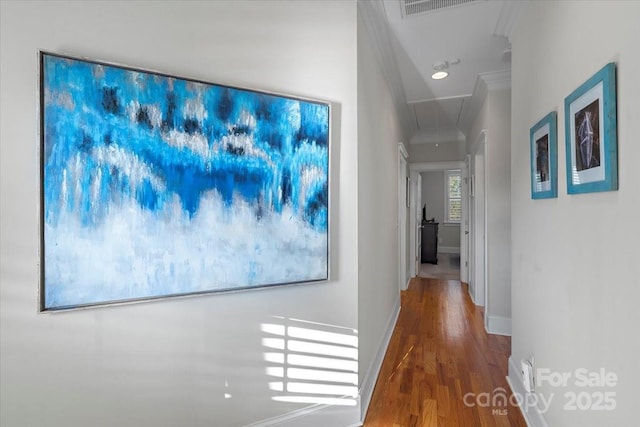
<point>374,18</point>
<point>485,83</point>
<point>496,80</point>
<point>437,137</point>
<point>402,150</point>
<point>508,19</point>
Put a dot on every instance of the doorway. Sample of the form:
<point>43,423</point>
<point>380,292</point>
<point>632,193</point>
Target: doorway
<point>478,226</point>
<point>403,189</point>
<point>452,259</point>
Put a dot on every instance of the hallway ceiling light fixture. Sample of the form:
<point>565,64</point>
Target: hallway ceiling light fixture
<point>439,75</point>
<point>440,68</point>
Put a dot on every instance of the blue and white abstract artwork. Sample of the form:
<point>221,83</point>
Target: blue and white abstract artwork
<point>154,186</point>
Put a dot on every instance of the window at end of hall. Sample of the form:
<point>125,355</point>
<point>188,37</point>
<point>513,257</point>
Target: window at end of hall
<point>453,196</point>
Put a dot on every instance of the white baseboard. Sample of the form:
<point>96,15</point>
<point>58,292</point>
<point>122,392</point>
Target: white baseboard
<point>334,415</point>
<point>531,415</point>
<point>370,378</point>
<point>499,325</point>
<point>448,249</point>
<point>470,292</point>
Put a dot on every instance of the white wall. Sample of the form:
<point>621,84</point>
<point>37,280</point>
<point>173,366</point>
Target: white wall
<point>433,195</point>
<point>498,199</point>
<point>445,151</point>
<point>379,132</point>
<point>575,262</point>
<point>168,362</point>
<point>477,148</point>
<point>494,117</point>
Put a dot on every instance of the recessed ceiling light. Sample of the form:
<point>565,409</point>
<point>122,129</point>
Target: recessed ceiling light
<point>440,68</point>
<point>439,75</point>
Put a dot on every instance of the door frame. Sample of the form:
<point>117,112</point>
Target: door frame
<point>414,222</point>
<point>403,186</point>
<point>478,235</point>
<point>465,224</point>
<point>420,167</point>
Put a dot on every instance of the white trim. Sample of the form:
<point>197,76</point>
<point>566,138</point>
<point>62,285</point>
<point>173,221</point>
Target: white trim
<point>435,166</point>
<point>508,19</point>
<point>487,237</point>
<point>419,167</point>
<point>412,226</point>
<point>441,98</point>
<point>402,217</point>
<point>478,280</point>
<point>499,325</point>
<point>471,293</point>
<point>332,415</point>
<point>370,378</point>
<point>531,415</point>
<point>496,80</point>
<point>449,249</point>
<point>403,150</point>
<point>465,224</point>
<point>373,15</point>
<point>437,137</point>
<point>447,175</point>
<point>477,100</point>
<point>481,139</point>
<point>485,82</point>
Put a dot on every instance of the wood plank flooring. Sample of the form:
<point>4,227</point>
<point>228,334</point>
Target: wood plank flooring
<point>438,354</point>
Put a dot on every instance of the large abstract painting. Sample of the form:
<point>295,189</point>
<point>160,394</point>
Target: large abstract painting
<point>153,185</point>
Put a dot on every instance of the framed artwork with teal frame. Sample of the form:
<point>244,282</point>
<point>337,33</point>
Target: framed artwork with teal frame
<point>544,158</point>
<point>591,134</point>
<point>154,185</point>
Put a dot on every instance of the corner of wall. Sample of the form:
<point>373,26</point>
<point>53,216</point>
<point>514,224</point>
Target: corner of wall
<point>531,414</point>
<point>371,376</point>
<point>499,325</point>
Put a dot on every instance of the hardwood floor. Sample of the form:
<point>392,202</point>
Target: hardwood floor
<point>446,268</point>
<point>441,367</point>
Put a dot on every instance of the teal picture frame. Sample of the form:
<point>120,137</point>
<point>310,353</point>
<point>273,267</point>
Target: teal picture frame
<point>544,157</point>
<point>591,136</point>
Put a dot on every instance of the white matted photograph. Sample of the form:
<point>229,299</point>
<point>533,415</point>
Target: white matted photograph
<point>544,158</point>
<point>591,136</point>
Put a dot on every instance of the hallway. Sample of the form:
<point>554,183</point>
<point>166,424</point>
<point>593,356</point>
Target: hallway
<point>439,363</point>
<point>447,268</point>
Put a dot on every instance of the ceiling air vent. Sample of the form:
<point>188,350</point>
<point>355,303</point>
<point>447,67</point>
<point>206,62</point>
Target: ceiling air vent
<point>418,7</point>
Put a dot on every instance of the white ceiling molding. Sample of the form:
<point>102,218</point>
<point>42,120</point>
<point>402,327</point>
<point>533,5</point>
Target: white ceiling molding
<point>507,21</point>
<point>473,107</point>
<point>444,98</point>
<point>485,82</point>
<point>402,150</point>
<point>481,139</point>
<point>496,80</point>
<point>375,22</point>
<point>434,137</point>
<point>435,166</point>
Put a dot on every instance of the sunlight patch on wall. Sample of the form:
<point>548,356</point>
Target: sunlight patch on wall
<point>317,363</point>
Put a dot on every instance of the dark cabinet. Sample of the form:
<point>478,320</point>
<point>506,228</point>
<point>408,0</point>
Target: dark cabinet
<point>429,243</point>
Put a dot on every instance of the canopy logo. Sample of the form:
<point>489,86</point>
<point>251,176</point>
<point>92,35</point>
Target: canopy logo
<point>593,393</point>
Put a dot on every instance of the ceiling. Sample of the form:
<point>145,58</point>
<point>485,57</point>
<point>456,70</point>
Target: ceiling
<point>474,33</point>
